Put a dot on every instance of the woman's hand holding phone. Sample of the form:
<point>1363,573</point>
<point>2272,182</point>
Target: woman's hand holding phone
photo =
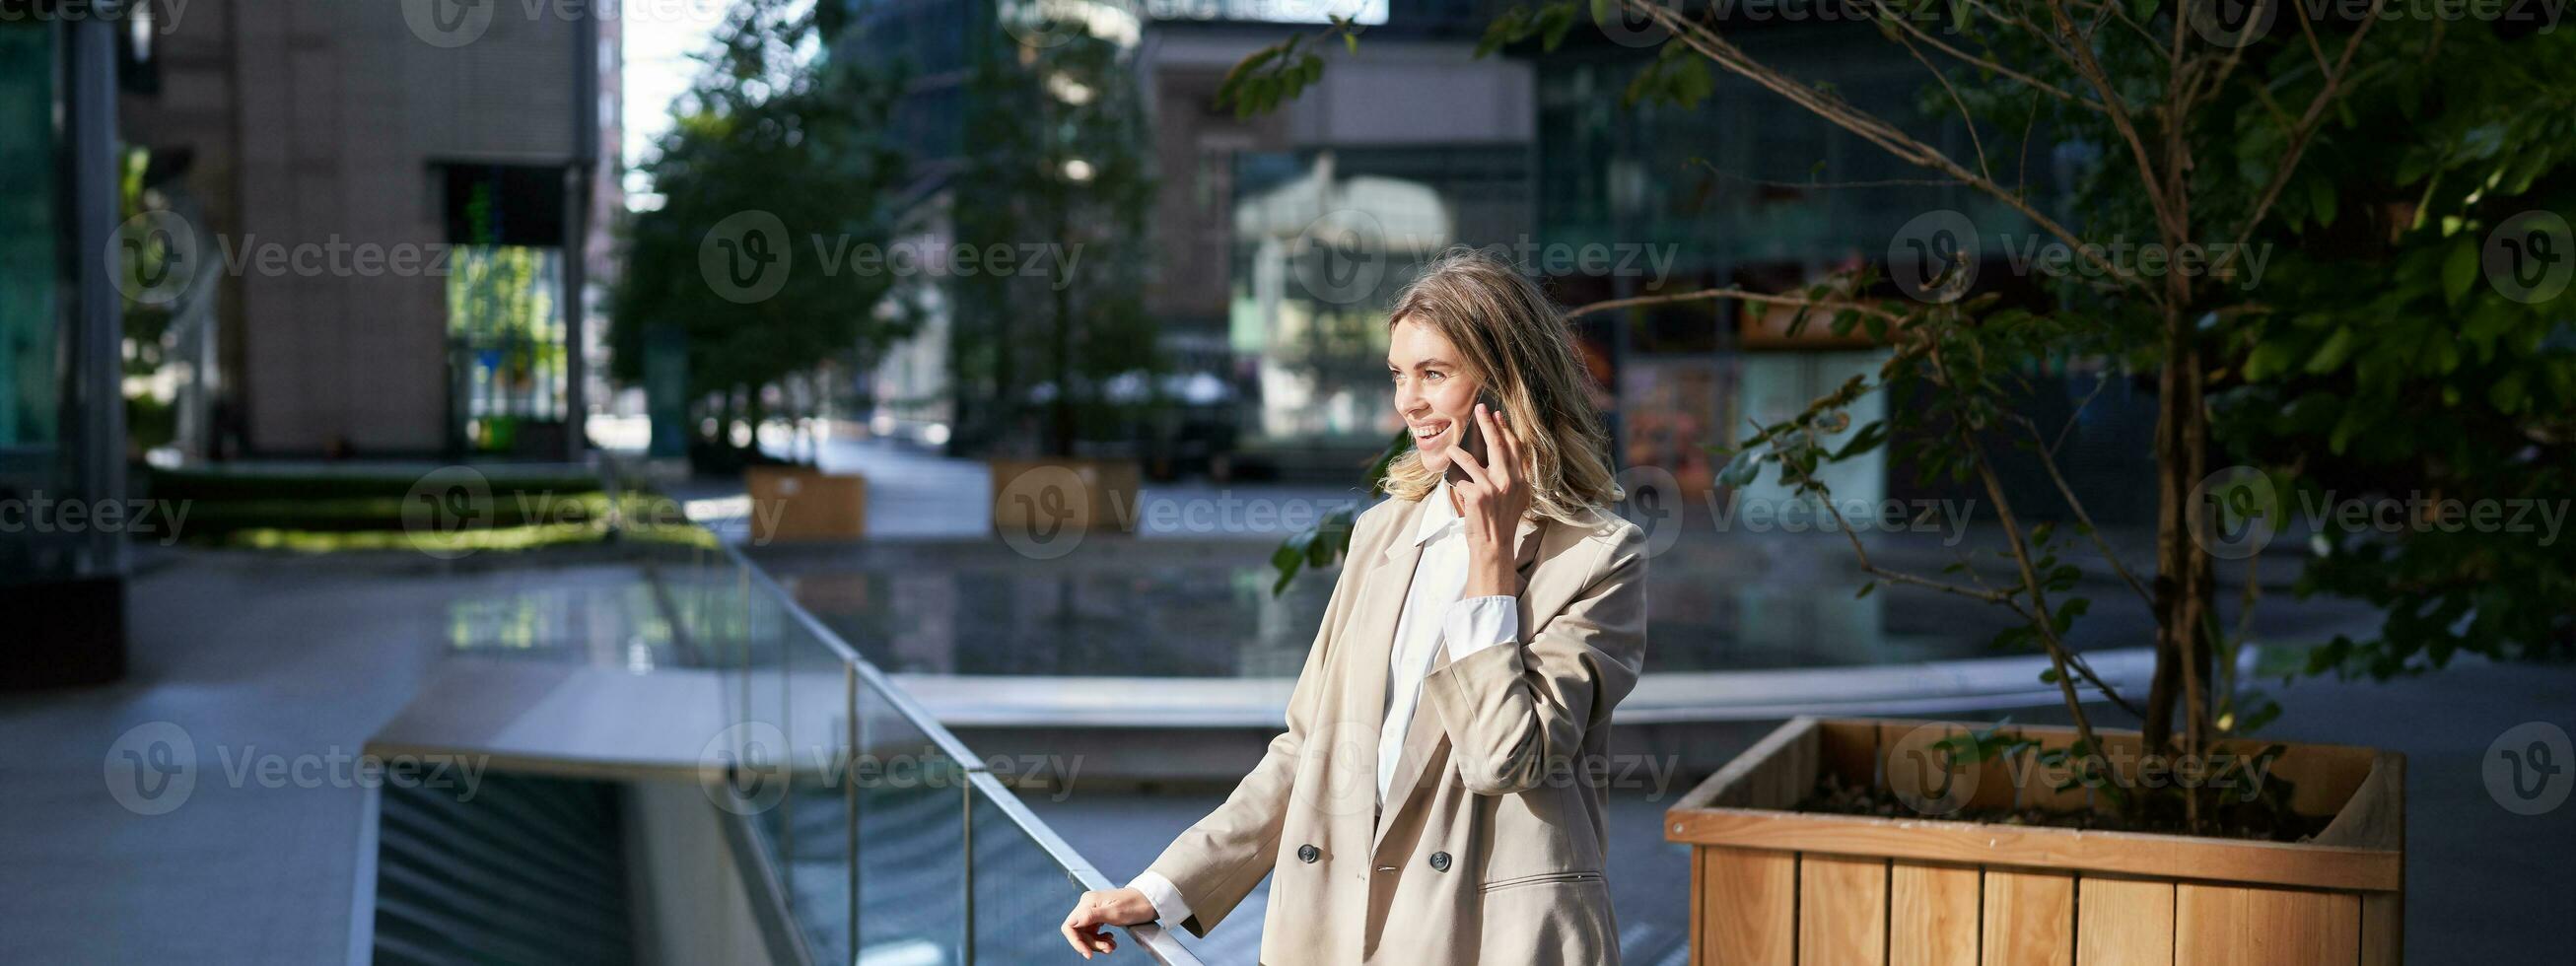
<point>1491,503</point>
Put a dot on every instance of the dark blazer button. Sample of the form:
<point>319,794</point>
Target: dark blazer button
<point>1309,853</point>
<point>1440,861</point>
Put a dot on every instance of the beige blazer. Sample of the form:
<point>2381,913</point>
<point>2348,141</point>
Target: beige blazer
<point>1491,842</point>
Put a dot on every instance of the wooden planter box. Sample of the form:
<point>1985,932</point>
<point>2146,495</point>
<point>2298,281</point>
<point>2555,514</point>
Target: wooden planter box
<point>1773,886</point>
<point>1040,495</point>
<point>790,503</point>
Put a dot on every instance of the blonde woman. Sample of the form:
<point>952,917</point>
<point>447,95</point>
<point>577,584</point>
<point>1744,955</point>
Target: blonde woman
<point>1437,798</point>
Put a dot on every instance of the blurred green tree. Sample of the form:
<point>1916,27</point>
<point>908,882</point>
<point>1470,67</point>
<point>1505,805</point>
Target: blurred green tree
<point>777,181</point>
<point>1056,168</point>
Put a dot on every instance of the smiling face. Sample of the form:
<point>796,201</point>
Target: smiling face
<point>1433,390</point>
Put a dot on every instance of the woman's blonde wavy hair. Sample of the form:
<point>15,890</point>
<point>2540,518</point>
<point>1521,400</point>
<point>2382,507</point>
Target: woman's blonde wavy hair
<point>1519,347</point>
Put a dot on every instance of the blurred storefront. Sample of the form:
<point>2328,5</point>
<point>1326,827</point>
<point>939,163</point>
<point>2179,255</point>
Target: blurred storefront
<point>407,210</point>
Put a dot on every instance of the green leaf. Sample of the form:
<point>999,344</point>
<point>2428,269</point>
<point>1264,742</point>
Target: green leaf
<point>2460,269</point>
<point>1871,435</point>
<point>2069,611</point>
<point>2268,358</point>
<point>2321,200</point>
<point>2508,393</point>
<point>1742,470</point>
<point>2330,356</point>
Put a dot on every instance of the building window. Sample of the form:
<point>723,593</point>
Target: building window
<point>506,300</point>
<point>30,264</point>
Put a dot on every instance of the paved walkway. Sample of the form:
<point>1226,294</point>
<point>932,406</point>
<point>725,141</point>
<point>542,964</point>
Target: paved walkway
<point>253,658</point>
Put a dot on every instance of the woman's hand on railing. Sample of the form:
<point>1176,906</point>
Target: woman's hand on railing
<point>1087,928</point>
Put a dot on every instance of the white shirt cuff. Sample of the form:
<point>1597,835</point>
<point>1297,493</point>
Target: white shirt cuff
<point>1169,908</point>
<point>1477,623</point>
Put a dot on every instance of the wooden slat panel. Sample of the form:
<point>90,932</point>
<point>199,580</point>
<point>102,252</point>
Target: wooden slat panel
<point>1932,915</point>
<point>1789,777</point>
<point>1977,787</point>
<point>1755,779</point>
<point>2229,926</point>
<point>1699,904</point>
<point>2383,933</point>
<point>2325,776</point>
<point>1850,749</point>
<point>1748,908</point>
<point>1842,911</point>
<point>2136,854</point>
<point>2029,919</point>
<point>2124,922</point>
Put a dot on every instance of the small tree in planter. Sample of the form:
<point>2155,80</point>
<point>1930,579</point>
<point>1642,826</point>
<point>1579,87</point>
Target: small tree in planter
<point>778,173</point>
<point>2391,165</point>
<point>1059,352</point>
<point>1057,168</point>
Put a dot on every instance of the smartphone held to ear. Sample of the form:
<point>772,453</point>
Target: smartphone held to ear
<point>1471,439</point>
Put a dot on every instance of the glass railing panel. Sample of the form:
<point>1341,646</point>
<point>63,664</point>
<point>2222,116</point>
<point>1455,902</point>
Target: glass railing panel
<point>1021,891</point>
<point>1025,878</point>
<point>864,803</point>
<point>813,827</point>
<point>911,801</point>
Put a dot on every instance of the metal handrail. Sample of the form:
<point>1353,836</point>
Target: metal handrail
<point>1152,938</point>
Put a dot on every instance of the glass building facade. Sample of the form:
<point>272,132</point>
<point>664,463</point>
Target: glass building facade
<point>62,439</point>
<point>1323,240</point>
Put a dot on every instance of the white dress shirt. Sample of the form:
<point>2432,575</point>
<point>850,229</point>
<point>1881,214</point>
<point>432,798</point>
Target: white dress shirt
<point>1464,626</point>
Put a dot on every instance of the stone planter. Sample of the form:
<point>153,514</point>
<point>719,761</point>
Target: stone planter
<point>1774,886</point>
<point>1047,495</point>
<point>793,503</point>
